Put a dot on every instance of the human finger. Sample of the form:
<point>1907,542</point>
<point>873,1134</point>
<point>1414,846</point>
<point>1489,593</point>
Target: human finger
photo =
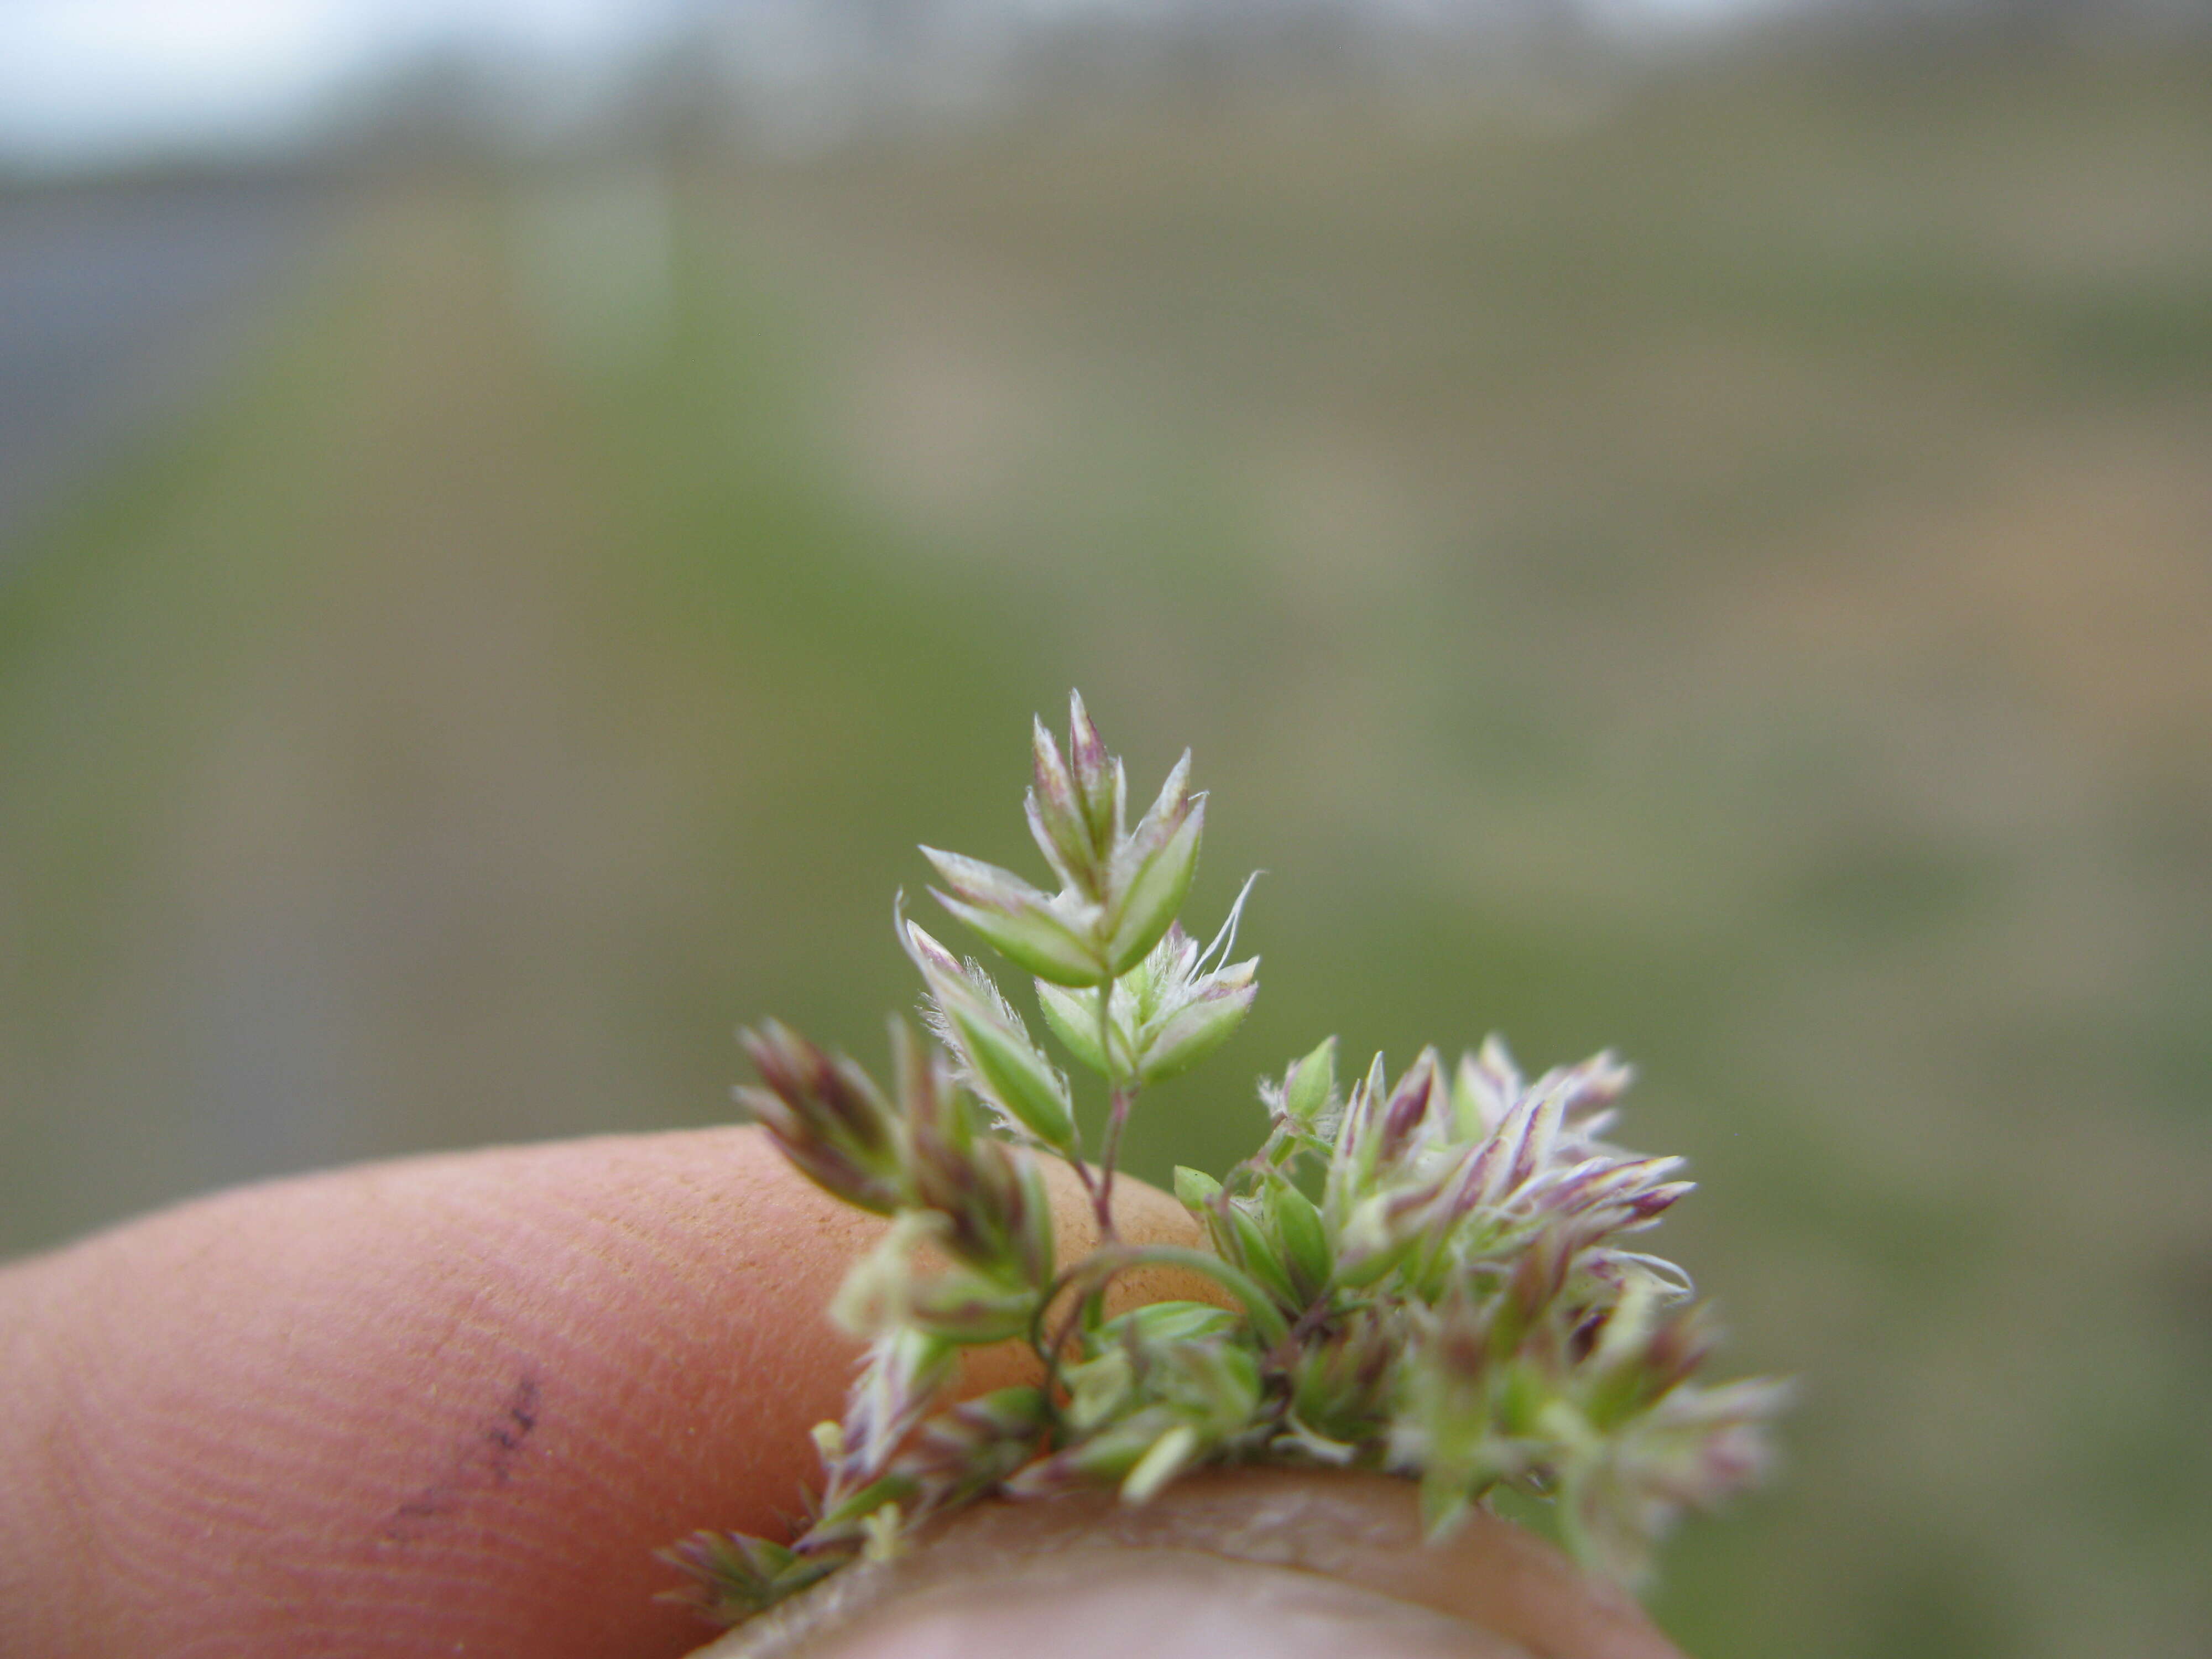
<point>1291,1565</point>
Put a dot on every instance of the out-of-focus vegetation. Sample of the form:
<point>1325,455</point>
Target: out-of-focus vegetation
<point>1717,566</point>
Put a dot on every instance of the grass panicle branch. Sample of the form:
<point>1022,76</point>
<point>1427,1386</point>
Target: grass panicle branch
<point>1433,1274</point>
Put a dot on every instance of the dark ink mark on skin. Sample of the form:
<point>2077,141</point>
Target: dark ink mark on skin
<point>487,1459</point>
<point>507,1435</point>
<point>411,1519</point>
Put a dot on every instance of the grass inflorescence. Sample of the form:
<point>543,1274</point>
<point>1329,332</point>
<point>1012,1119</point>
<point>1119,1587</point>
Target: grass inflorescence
<point>1433,1274</point>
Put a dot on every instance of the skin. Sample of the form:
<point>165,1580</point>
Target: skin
<point>453,1404</point>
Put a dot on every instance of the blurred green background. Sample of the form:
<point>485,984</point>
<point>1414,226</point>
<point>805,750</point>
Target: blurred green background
<point>1714,561</point>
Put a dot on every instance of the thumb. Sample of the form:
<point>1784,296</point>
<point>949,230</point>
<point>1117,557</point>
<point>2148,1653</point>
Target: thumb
<point>1260,1561</point>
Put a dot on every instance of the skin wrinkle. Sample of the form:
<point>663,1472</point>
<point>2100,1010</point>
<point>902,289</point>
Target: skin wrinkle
<point>46,1467</point>
<point>637,1397</point>
<point>659,1274</point>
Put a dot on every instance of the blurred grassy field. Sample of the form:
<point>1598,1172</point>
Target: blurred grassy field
<point>1721,569</point>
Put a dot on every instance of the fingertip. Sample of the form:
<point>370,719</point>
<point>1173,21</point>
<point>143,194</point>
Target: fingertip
<point>451,1404</point>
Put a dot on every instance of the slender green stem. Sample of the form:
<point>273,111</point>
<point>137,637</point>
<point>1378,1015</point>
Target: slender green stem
<point>1109,1152</point>
<point>1102,1197</point>
<point>1077,1162</point>
<point>1103,1266</point>
<point>1267,1322</point>
<point>1049,1353</point>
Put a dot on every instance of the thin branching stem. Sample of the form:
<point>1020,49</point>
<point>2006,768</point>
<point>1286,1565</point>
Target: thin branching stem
<point>1089,1181</point>
<point>1104,1266</point>
<point>1117,1114</point>
<point>1109,1152</point>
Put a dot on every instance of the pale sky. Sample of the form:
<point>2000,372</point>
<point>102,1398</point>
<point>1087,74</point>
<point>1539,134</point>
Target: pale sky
<point>88,79</point>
